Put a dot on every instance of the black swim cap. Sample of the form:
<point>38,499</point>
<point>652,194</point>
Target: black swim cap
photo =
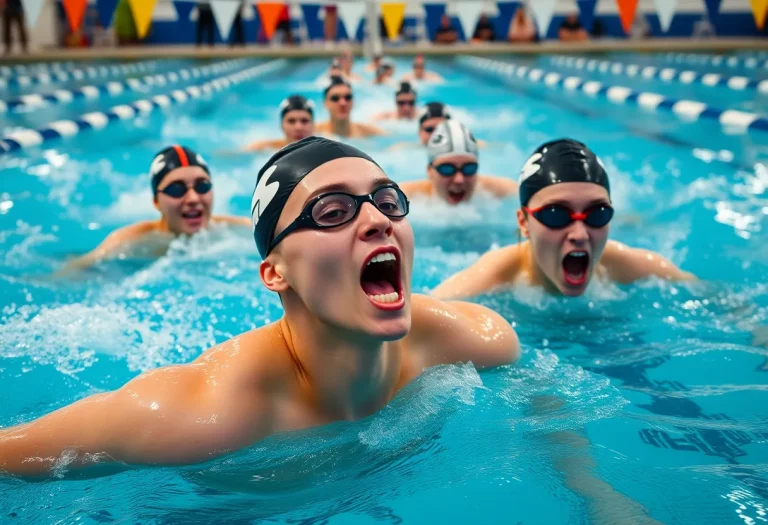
<point>335,81</point>
<point>171,158</point>
<point>434,110</point>
<point>296,102</point>
<point>405,87</point>
<point>563,160</point>
<point>280,175</point>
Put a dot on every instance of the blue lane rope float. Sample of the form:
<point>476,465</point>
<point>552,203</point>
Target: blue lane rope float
<point>84,73</point>
<point>64,96</point>
<point>690,110</point>
<point>25,138</point>
<point>665,74</point>
<point>732,61</point>
<point>32,69</point>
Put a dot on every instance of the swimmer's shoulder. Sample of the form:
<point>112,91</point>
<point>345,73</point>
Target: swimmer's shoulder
<point>363,130</point>
<point>416,187</point>
<point>132,233</point>
<point>626,265</point>
<point>506,262</point>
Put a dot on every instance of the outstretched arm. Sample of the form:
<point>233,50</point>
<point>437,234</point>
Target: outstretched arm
<point>236,221</point>
<point>115,242</point>
<point>490,271</point>
<point>627,265</point>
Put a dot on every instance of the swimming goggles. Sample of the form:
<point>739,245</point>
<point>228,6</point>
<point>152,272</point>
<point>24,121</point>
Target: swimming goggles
<point>336,98</point>
<point>331,210</point>
<point>557,216</point>
<point>449,170</point>
<point>178,188</point>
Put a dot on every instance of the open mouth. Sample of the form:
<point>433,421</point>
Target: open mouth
<point>380,279</point>
<point>575,266</point>
<point>456,196</point>
<point>193,214</point>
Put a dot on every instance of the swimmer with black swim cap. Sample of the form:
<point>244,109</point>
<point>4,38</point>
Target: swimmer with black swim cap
<point>297,119</point>
<point>338,100</point>
<point>405,104</point>
<point>433,114</point>
<point>452,170</point>
<point>183,194</point>
<point>565,214</point>
<point>420,73</point>
<point>337,246</point>
<point>384,73</point>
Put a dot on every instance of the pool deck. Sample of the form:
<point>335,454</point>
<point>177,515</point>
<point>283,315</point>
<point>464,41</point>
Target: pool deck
<point>320,49</point>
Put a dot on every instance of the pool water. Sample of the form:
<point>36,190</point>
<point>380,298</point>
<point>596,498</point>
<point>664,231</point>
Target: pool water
<point>630,403</point>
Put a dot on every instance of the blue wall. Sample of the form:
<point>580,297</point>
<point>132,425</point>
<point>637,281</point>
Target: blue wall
<point>726,24</point>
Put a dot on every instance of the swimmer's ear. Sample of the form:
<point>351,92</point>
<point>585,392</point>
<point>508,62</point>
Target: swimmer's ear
<point>272,275</point>
<point>154,201</point>
<point>522,223</point>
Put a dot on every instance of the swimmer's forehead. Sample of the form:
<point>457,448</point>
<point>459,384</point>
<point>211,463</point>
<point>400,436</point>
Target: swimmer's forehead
<point>186,174</point>
<point>433,121</point>
<point>455,158</point>
<point>339,89</point>
<point>297,113</point>
<point>574,194</point>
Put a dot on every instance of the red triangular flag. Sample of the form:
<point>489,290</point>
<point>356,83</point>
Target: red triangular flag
<point>269,14</point>
<point>627,10</point>
<point>75,10</point>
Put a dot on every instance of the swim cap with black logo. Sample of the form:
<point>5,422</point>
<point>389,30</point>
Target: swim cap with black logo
<point>563,160</point>
<point>404,89</point>
<point>282,173</point>
<point>333,82</point>
<point>451,138</point>
<point>171,158</point>
<point>434,110</point>
<point>296,102</point>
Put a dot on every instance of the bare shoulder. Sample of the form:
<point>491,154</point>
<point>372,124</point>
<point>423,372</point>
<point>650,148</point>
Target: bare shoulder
<point>367,130</point>
<point>416,187</point>
<point>449,332</point>
<point>231,219</point>
<point>625,264</point>
<point>323,127</point>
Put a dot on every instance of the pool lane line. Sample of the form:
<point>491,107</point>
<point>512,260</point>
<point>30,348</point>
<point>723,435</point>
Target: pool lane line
<point>33,69</point>
<point>690,110</point>
<point>65,96</point>
<point>717,60</point>
<point>83,73</point>
<point>665,74</point>
<point>26,138</point>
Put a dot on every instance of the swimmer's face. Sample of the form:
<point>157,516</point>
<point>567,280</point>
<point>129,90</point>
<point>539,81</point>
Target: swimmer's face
<point>567,257</point>
<point>190,213</point>
<point>406,105</point>
<point>418,68</point>
<point>455,188</point>
<point>327,269</point>
<point>339,102</point>
<point>298,124</point>
<point>427,127</point>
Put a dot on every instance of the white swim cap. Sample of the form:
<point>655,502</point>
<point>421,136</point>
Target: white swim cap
<point>451,138</point>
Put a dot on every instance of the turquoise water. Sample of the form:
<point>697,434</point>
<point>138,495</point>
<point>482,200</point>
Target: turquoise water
<point>655,391</point>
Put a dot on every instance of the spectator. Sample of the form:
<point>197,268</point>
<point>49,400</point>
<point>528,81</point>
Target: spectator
<point>100,36</point>
<point>571,30</point>
<point>640,28</point>
<point>330,25</point>
<point>13,13</point>
<point>522,29</point>
<point>484,31</point>
<point>205,22</point>
<point>284,25</point>
<point>446,34</point>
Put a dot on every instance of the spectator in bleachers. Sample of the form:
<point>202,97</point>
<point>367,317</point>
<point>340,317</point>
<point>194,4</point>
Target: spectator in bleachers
<point>13,13</point>
<point>446,34</point>
<point>484,31</point>
<point>571,30</point>
<point>205,22</point>
<point>522,29</point>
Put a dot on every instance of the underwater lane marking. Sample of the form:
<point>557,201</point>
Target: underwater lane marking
<point>689,110</point>
<point>25,138</point>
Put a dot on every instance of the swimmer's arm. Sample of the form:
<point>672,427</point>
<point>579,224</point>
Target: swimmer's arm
<point>457,331</point>
<point>490,271</point>
<point>111,246</point>
<point>402,145</point>
<point>236,221</point>
<point>261,145</point>
<point>626,265</point>
<point>369,130</point>
<point>415,187</point>
<point>163,417</point>
<point>499,186</point>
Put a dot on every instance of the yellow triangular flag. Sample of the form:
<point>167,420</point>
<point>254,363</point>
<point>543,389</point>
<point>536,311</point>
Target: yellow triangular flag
<point>142,15</point>
<point>759,7</point>
<point>393,17</point>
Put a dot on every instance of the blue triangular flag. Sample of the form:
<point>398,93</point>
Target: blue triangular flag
<point>713,9</point>
<point>312,21</point>
<point>184,9</point>
<point>587,13</point>
<point>433,13</point>
<point>105,10</point>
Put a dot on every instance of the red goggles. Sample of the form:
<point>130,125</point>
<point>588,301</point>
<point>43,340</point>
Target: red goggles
<point>557,216</point>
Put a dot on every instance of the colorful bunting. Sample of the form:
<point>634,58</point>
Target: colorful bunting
<point>351,13</point>
<point>142,15</point>
<point>666,11</point>
<point>74,10</point>
<point>468,12</point>
<point>587,13</point>
<point>269,15</point>
<point>106,10</point>
<point>184,9</point>
<point>393,14</point>
<point>224,12</point>
<point>311,20</point>
<point>32,10</point>
<point>542,12</point>
<point>759,8</point>
<point>627,10</point>
<point>713,8</point>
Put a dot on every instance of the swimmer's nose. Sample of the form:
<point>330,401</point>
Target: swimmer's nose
<point>372,223</point>
<point>192,197</point>
<point>578,233</point>
<point>458,178</point>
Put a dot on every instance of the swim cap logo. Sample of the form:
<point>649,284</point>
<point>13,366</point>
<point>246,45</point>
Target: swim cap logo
<point>531,167</point>
<point>200,160</point>
<point>158,164</point>
<point>263,195</point>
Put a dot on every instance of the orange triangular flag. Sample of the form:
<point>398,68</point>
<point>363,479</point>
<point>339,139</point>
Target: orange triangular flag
<point>269,14</point>
<point>74,10</point>
<point>142,15</point>
<point>759,8</point>
<point>627,10</point>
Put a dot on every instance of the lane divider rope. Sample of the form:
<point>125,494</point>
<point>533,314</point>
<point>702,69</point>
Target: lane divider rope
<point>90,72</point>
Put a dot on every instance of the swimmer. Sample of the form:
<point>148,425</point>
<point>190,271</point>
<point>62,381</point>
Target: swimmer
<point>347,60</point>
<point>452,168</point>
<point>297,120</point>
<point>405,104</point>
<point>339,102</point>
<point>565,214</point>
<point>384,73</point>
<point>374,65</point>
<point>183,194</point>
<point>331,228</point>
<point>420,72</point>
